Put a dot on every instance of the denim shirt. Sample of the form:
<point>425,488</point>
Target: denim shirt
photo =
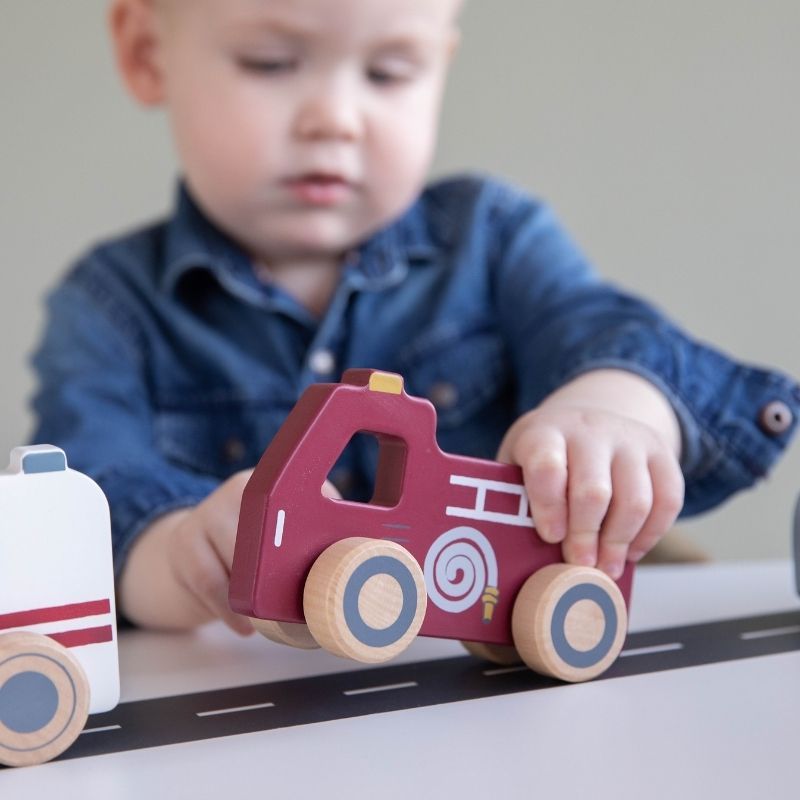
<point>166,365</point>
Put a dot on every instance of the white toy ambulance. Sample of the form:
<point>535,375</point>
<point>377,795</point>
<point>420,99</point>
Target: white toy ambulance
<point>58,636</point>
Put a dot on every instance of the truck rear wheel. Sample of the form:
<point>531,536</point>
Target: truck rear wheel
<point>365,599</point>
<point>44,699</point>
<point>294,634</point>
<point>502,654</point>
<point>569,622</point>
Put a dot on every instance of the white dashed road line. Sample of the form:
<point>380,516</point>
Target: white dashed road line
<point>386,688</point>
<point>218,711</point>
<point>747,635</point>
<point>646,651</point>
<point>103,729</point>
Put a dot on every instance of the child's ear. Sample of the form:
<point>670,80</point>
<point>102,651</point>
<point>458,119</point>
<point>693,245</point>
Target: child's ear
<point>135,37</point>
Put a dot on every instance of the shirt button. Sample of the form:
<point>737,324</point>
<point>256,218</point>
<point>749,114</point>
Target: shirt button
<point>775,418</point>
<point>322,362</point>
<point>443,395</point>
<point>233,450</point>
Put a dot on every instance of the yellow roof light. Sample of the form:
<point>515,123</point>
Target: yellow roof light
<point>386,382</point>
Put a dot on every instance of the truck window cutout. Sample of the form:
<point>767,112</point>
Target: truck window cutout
<point>381,460</point>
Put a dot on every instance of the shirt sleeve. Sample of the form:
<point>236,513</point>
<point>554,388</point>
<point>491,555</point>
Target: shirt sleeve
<point>560,320</point>
<point>92,401</point>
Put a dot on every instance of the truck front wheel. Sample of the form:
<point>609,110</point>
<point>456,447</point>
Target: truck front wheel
<point>365,599</point>
<point>569,622</point>
<point>294,634</point>
<point>44,699</point>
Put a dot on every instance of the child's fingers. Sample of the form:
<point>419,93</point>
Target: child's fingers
<point>329,490</point>
<point>214,588</point>
<point>218,580</point>
<point>631,503</point>
<point>206,577</point>
<point>221,514</point>
<point>668,492</point>
<point>545,475</point>
<point>588,496</point>
<point>222,539</point>
<point>238,624</point>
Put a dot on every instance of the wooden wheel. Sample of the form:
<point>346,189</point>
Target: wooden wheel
<point>365,599</point>
<point>504,655</point>
<point>44,699</point>
<point>294,634</point>
<point>569,622</point>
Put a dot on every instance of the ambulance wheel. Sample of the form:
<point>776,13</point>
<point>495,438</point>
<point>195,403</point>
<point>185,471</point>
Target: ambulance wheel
<point>569,622</point>
<point>505,655</point>
<point>294,634</point>
<point>44,699</point>
<point>365,599</point>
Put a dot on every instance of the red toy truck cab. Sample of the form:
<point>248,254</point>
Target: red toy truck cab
<point>460,527</point>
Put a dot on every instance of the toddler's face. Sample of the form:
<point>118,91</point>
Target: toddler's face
<point>304,125</point>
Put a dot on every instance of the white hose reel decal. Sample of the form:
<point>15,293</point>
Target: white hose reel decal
<point>460,569</point>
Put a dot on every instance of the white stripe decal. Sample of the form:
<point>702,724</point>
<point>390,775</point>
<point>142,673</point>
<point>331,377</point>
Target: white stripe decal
<point>45,628</point>
<point>279,527</point>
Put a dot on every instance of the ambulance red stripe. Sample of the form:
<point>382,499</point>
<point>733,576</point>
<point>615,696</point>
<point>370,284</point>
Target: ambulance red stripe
<point>83,636</point>
<point>37,616</point>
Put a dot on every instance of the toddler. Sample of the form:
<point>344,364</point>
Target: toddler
<point>304,242</point>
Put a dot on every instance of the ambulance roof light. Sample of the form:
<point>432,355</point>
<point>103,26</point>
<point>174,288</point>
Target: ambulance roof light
<point>35,459</point>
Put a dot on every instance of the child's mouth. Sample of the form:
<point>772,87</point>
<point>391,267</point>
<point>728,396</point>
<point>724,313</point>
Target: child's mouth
<point>319,189</point>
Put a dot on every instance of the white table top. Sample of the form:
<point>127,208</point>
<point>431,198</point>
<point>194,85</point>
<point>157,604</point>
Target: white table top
<point>727,730</point>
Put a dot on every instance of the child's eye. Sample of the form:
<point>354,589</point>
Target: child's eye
<point>268,66</point>
<point>390,75</point>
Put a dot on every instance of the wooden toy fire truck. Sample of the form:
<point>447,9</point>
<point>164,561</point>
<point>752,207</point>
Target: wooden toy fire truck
<point>58,642</point>
<point>445,547</point>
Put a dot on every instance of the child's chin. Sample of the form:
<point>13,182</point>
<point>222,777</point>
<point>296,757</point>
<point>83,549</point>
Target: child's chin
<point>322,239</point>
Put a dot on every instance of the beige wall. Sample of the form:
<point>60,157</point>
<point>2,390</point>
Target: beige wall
<point>665,134</point>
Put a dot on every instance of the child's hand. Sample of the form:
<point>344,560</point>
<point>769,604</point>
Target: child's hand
<point>200,552</point>
<point>605,483</point>
<point>177,573</point>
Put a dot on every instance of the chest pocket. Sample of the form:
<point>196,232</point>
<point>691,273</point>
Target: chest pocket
<point>217,437</point>
<point>464,371</point>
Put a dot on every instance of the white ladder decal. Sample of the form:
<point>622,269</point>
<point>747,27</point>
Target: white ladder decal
<point>482,485</point>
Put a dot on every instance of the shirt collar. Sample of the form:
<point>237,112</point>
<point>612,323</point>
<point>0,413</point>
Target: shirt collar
<point>193,242</point>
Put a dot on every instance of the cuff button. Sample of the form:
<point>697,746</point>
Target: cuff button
<point>775,418</point>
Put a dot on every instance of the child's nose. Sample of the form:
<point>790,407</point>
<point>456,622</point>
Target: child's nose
<point>332,113</point>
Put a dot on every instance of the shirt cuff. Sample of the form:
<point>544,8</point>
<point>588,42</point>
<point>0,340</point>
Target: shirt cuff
<point>733,429</point>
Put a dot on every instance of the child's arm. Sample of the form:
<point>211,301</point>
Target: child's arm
<point>559,320</point>
<point>600,461</point>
